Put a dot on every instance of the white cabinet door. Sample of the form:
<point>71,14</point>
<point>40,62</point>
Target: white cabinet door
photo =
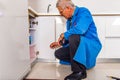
<point>108,28</point>
<point>112,26</point>
<point>45,36</point>
<point>112,48</point>
<point>112,37</point>
<point>60,26</point>
<point>100,24</point>
<point>14,45</point>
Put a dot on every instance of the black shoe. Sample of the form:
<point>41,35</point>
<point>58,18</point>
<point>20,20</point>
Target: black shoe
<point>76,76</point>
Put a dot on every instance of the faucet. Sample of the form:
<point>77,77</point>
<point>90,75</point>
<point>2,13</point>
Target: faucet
<point>48,8</point>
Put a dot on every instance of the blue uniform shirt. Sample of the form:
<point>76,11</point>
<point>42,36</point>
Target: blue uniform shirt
<point>82,23</point>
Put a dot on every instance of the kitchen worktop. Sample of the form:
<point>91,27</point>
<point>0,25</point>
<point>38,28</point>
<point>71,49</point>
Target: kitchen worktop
<point>57,14</point>
<point>42,14</point>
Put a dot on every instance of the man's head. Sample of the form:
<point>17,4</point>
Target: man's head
<point>66,8</point>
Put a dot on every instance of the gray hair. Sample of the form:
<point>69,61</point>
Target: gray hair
<point>64,3</point>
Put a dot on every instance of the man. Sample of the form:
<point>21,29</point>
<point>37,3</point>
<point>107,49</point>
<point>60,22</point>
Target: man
<point>80,43</point>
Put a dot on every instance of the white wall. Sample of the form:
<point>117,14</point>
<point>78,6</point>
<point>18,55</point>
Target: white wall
<point>100,6</point>
<point>95,6</point>
<point>42,5</point>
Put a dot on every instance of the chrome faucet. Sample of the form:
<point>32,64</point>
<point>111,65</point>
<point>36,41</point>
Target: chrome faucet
<point>48,8</point>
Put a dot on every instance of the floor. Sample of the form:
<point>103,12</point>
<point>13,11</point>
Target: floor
<point>56,71</point>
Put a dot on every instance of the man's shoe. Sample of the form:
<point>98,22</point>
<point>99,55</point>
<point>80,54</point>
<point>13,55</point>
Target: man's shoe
<point>76,76</point>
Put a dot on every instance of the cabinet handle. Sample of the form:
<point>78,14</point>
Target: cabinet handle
<point>35,22</point>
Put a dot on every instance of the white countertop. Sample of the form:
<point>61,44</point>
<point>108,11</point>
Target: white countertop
<point>57,14</point>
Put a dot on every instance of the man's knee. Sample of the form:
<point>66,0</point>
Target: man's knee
<point>57,54</point>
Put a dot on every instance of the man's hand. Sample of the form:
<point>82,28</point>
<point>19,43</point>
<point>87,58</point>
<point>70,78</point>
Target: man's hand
<point>62,35</point>
<point>57,44</point>
<point>54,45</point>
<point>61,38</point>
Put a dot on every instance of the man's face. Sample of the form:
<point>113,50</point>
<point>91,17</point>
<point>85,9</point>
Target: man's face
<point>66,12</point>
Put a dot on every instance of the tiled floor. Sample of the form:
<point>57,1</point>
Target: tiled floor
<point>52,71</point>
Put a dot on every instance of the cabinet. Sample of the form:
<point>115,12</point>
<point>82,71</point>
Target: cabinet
<point>100,24</point>
<point>49,29</point>
<point>45,36</point>
<point>108,28</point>
<point>14,46</point>
<point>32,35</point>
<point>112,37</point>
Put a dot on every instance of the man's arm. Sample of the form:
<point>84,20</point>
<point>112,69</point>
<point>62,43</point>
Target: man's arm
<point>81,26</point>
